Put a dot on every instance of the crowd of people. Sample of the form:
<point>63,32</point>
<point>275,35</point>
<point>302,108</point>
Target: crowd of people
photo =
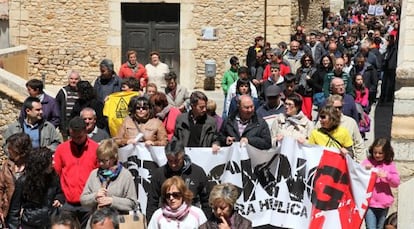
<point>319,89</point>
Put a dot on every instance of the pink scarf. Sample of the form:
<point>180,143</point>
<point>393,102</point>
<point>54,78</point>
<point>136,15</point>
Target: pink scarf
<point>177,214</point>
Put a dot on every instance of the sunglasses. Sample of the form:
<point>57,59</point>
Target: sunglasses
<point>322,117</point>
<point>175,195</point>
<point>338,107</point>
<point>142,108</point>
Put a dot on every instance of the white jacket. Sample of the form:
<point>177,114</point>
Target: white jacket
<point>193,220</point>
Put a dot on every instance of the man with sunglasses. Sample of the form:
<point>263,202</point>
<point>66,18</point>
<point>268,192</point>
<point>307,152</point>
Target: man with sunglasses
<point>179,164</point>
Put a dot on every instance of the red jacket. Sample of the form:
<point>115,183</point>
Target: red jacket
<point>284,69</point>
<point>125,71</point>
<point>169,121</point>
<point>74,171</point>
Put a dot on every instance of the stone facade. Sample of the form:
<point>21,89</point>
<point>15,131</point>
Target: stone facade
<point>60,35</point>
<point>308,13</point>
<point>63,35</point>
<point>9,112</point>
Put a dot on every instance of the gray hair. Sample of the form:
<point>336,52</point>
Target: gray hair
<point>88,109</point>
<point>101,214</point>
<point>71,72</point>
<point>226,192</point>
<point>174,147</point>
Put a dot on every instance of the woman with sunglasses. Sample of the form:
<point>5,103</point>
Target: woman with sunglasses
<point>141,125</point>
<point>331,134</point>
<point>292,122</point>
<point>222,199</point>
<point>110,185</point>
<point>176,210</point>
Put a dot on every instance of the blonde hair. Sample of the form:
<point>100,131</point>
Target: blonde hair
<point>226,192</point>
<point>107,148</point>
<point>211,106</point>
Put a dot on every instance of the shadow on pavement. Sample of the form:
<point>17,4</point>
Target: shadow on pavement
<point>383,120</point>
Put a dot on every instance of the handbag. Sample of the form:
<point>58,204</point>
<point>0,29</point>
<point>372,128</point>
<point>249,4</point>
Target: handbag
<point>134,219</point>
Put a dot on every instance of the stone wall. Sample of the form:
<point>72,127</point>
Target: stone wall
<point>236,26</point>
<point>9,112</point>
<point>63,35</point>
<point>308,13</point>
<point>60,35</point>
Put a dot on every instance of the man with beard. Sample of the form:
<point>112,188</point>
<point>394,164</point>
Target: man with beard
<point>108,82</point>
<point>195,128</point>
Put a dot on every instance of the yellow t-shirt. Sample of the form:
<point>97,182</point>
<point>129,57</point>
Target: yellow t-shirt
<point>341,134</point>
<point>116,109</point>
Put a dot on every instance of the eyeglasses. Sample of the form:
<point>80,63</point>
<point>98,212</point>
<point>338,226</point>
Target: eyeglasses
<point>175,195</point>
<point>289,104</point>
<point>141,108</point>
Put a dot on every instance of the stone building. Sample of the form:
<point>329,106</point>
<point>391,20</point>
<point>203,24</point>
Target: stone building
<point>67,34</point>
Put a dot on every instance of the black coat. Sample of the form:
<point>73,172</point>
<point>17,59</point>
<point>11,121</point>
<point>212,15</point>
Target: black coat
<point>257,132</point>
<point>34,214</point>
<point>193,175</point>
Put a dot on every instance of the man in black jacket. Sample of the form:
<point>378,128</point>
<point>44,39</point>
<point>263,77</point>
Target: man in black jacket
<point>179,164</point>
<point>246,127</point>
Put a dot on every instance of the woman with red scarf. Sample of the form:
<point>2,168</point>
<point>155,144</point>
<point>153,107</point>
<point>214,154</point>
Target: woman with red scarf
<point>132,68</point>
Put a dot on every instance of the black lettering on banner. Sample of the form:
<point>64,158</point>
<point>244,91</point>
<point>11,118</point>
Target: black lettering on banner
<point>294,209</point>
<point>264,205</point>
<point>141,171</point>
<point>244,170</point>
<point>333,193</point>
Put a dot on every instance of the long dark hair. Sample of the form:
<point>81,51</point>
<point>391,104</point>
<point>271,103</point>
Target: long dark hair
<point>85,90</point>
<point>38,175</point>
<point>386,147</point>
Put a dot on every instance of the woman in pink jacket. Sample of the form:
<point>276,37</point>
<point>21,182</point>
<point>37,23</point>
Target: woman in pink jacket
<point>381,155</point>
<point>165,112</point>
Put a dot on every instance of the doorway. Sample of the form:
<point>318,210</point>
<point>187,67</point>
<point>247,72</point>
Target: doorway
<point>148,27</point>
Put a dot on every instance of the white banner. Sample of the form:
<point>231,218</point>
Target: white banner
<point>276,186</point>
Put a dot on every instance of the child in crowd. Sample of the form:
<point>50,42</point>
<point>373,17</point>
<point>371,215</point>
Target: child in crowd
<point>381,155</point>
<point>362,104</point>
